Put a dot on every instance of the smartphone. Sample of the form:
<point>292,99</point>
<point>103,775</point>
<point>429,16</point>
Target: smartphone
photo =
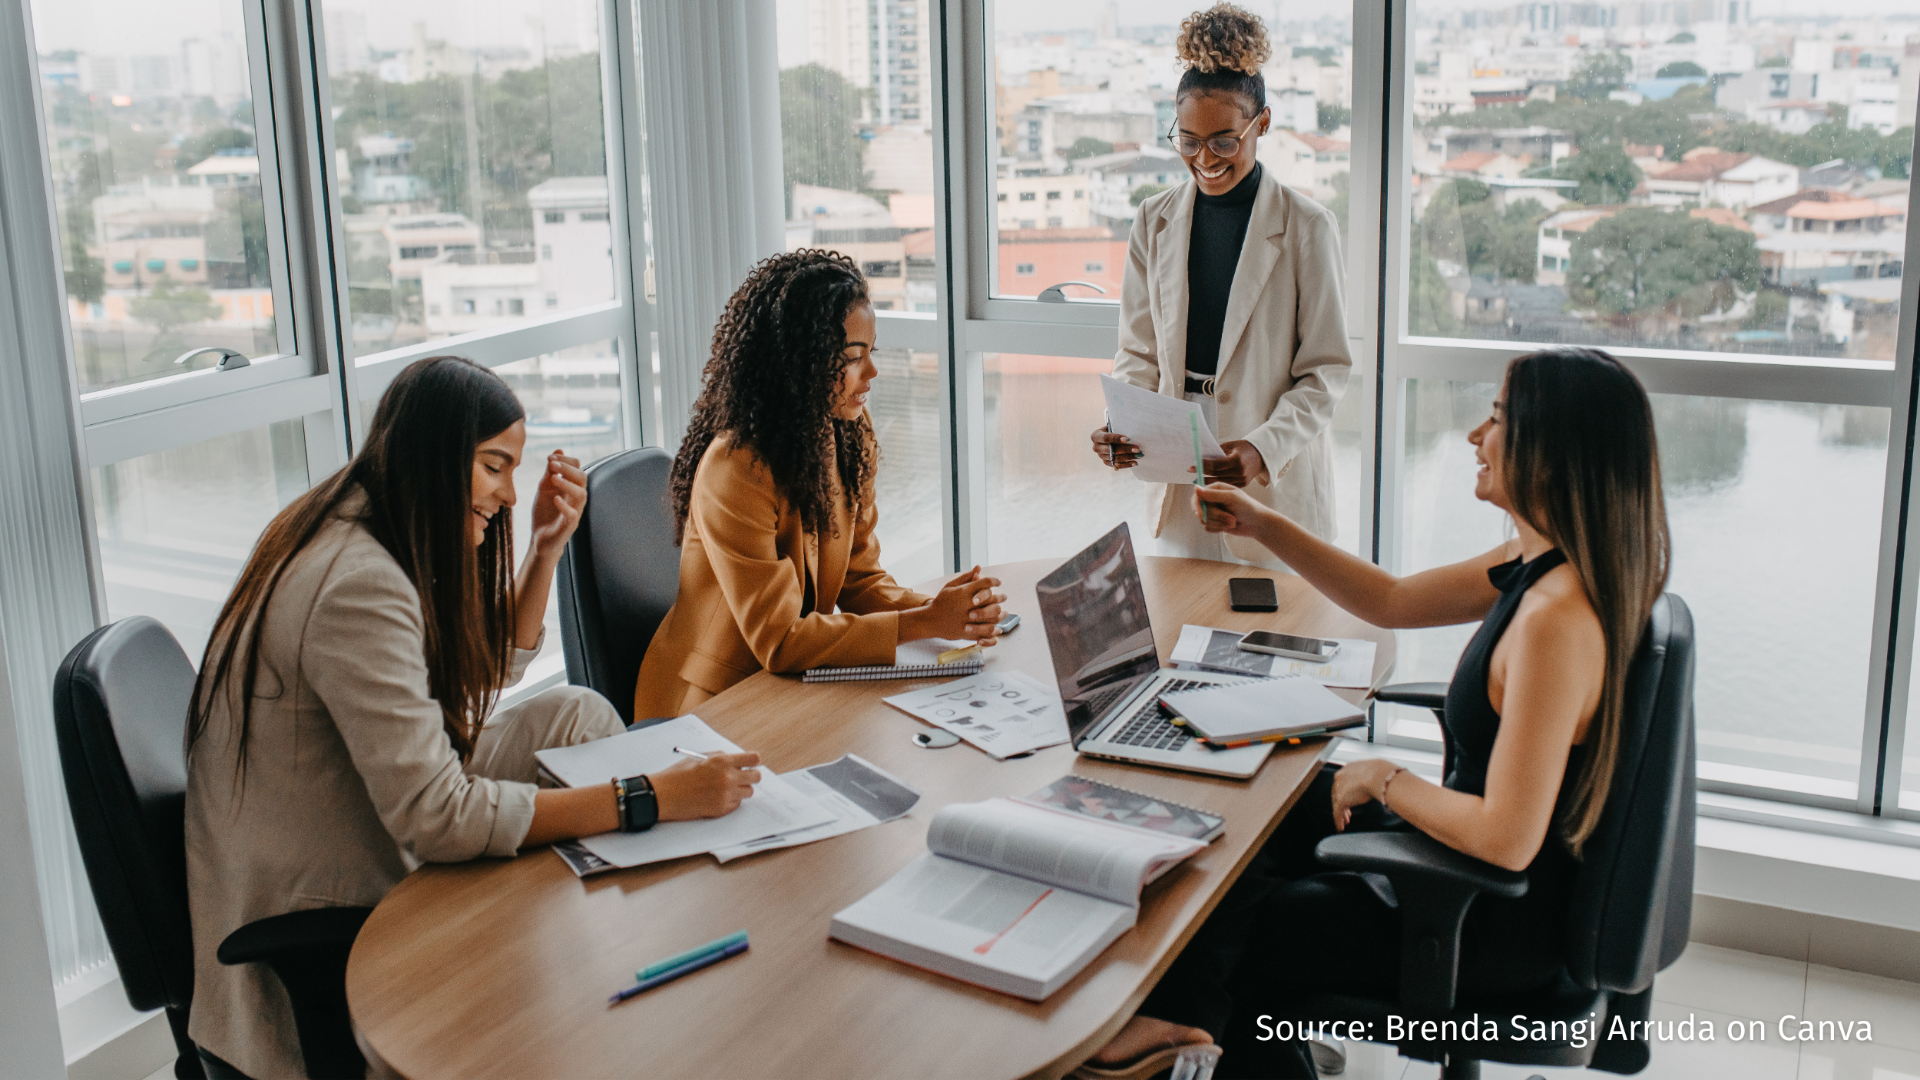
<point>1006,625</point>
<point>1252,594</point>
<point>1289,646</point>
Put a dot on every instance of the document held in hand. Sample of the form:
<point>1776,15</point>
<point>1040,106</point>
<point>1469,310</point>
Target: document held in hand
<point>1160,426</point>
<point>1012,897</point>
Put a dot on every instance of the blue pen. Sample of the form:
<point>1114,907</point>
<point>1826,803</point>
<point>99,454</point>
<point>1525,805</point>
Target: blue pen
<point>668,976</point>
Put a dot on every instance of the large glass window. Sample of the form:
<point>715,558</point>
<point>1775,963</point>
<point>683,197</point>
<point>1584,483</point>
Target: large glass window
<point>1692,177</point>
<point>912,487</point>
<point>1775,512</point>
<point>471,146</point>
<point>157,182</point>
<point>1082,98</point>
<point>856,133</point>
<point>176,526</point>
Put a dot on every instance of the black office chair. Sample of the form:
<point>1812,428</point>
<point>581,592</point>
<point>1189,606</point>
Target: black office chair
<point>1632,903</point>
<point>619,574</point>
<point>120,704</point>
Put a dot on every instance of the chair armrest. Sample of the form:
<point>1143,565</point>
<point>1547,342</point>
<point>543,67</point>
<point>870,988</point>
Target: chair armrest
<point>1424,695</point>
<point>1435,885</point>
<point>316,928</point>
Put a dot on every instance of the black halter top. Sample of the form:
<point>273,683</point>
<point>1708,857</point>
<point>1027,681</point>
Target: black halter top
<point>1517,939</point>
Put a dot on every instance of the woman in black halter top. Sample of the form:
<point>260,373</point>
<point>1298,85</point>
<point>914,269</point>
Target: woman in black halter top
<point>1531,721</point>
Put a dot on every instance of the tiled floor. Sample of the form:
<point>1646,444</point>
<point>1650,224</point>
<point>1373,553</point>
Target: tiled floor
<point>1718,984</point>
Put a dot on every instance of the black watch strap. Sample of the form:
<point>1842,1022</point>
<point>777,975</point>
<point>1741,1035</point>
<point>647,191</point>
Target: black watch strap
<point>637,804</point>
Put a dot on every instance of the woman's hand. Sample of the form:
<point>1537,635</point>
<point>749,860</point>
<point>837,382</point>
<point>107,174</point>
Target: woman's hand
<point>1228,509</point>
<point>1114,450</point>
<point>1241,464</point>
<point>557,506</point>
<point>1357,784</point>
<point>966,607</point>
<point>705,789</point>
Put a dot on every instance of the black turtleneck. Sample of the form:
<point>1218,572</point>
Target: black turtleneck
<point>1219,229</point>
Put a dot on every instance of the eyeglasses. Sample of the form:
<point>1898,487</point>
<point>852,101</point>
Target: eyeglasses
<point>1221,145</point>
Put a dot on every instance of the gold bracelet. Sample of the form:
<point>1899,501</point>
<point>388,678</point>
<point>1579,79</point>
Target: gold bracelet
<point>1387,783</point>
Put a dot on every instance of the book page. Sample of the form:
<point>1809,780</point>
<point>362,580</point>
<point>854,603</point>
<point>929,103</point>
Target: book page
<point>1055,849</point>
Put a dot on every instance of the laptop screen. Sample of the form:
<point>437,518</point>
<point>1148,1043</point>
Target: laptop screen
<point>1095,614</point>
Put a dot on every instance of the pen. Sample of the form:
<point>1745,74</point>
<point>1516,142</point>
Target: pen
<point>695,953</point>
<point>1199,462</point>
<point>951,655</point>
<point>671,974</point>
<point>1294,739</point>
<point>694,754</point>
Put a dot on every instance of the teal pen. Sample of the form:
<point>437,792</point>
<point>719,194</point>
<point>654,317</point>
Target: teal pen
<point>1199,462</point>
<point>695,953</point>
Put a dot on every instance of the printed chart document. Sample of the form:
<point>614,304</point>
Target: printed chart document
<point>1160,426</point>
<point>1207,648</point>
<point>858,792</point>
<point>1003,713</point>
<point>1010,896</point>
<point>776,806</point>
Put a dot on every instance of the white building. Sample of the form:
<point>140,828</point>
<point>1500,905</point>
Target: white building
<point>1113,178</point>
<point>1305,160</point>
<point>1043,202</point>
<point>1707,177</point>
<point>882,46</point>
<point>573,237</point>
<point>474,290</point>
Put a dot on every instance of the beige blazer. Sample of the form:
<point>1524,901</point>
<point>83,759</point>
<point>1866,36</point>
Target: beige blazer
<point>1283,352</point>
<point>757,591</point>
<point>351,782</point>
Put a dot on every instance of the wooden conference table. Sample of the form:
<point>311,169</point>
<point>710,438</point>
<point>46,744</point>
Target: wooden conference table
<point>503,967</point>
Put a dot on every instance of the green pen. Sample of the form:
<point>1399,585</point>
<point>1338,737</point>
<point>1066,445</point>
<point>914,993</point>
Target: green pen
<point>694,953</point>
<point>1199,463</point>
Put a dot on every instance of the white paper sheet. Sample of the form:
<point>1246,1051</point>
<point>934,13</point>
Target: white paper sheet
<point>837,785</point>
<point>1211,649</point>
<point>775,807</point>
<point>1160,426</point>
<point>1003,713</point>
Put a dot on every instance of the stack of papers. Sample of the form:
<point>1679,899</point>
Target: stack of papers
<point>1162,427</point>
<point>1207,648</point>
<point>812,804</point>
<point>1003,713</point>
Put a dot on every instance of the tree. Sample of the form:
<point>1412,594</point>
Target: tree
<point>1684,37</point>
<point>197,148</point>
<point>1429,303</point>
<point>1340,204</point>
<point>1461,225</point>
<point>819,129</point>
<point>1599,74</point>
<point>1146,191</point>
<point>1333,117</point>
<point>1680,69</point>
<point>1605,172</point>
<point>1086,146</point>
<point>1773,62</point>
<point>169,305</point>
<point>1642,262</point>
<point>86,276</point>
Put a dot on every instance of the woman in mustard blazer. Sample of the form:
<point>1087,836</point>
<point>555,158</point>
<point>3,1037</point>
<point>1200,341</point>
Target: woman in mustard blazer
<point>773,500</point>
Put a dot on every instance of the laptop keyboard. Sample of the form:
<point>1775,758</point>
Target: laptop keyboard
<point>1152,727</point>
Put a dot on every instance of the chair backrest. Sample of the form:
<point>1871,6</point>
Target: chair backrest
<point>1633,903</point>
<point>120,704</point>
<point>619,574</point>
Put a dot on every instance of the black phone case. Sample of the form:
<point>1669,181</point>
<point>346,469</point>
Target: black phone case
<point>1252,594</point>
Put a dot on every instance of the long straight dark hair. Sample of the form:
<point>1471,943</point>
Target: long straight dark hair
<point>416,470</point>
<point>1583,468</point>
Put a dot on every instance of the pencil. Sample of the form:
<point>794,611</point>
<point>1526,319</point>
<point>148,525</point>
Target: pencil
<point>1199,462</point>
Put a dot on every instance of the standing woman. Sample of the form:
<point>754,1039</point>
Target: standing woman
<point>343,728</point>
<point>1233,299</point>
<point>773,501</point>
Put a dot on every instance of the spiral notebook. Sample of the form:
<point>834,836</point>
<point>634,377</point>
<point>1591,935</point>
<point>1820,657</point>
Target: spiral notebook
<point>912,660</point>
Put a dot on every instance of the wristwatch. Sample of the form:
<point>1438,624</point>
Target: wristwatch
<point>636,803</point>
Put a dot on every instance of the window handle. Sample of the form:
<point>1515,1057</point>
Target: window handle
<point>1052,294</point>
<point>229,358</point>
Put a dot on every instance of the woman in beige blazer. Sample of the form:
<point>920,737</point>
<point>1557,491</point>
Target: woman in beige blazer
<point>343,729</point>
<point>1233,298</point>
<point>773,499</point>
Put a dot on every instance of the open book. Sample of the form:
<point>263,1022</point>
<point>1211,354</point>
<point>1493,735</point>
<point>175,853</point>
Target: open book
<point>1010,896</point>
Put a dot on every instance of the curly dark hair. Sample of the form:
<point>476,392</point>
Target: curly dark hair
<point>772,382</point>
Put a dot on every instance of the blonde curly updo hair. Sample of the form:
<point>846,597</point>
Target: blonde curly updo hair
<point>1223,49</point>
<point>1224,38</point>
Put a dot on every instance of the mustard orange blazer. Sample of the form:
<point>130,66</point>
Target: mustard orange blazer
<point>758,591</point>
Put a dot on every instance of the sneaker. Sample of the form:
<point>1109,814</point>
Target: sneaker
<point>1329,1056</point>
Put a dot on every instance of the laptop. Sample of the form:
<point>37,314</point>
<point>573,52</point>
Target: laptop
<point>1094,610</point>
